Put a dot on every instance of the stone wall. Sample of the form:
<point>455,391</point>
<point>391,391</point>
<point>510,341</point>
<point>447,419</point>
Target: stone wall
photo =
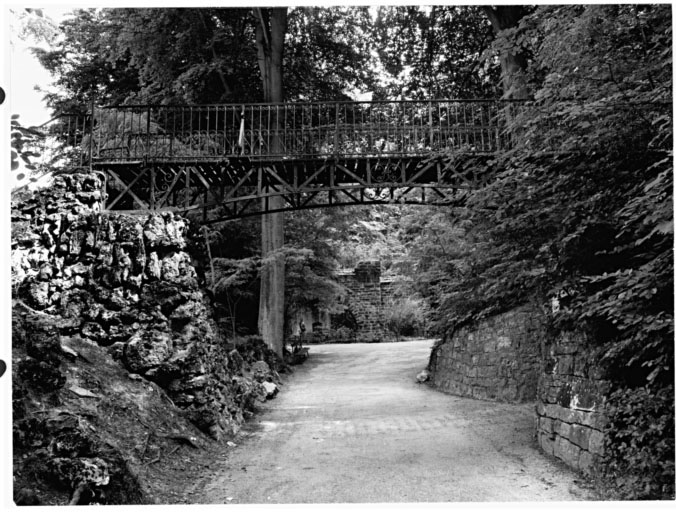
<point>498,359</point>
<point>388,287</point>
<point>365,299</point>
<point>511,357</point>
<point>570,424</point>
<point>368,296</point>
<point>127,283</point>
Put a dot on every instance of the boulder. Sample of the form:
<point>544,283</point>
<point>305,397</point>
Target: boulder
<point>164,231</point>
<point>423,376</point>
<point>147,349</point>
<point>260,371</point>
<point>38,294</point>
<point>271,389</point>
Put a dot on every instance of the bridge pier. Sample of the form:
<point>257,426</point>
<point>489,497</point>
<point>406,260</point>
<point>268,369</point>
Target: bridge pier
<point>271,303</point>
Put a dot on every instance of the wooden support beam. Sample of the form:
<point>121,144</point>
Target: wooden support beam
<point>351,174</point>
<point>241,182</point>
<point>127,188</point>
<point>419,174</point>
<point>270,171</point>
<point>314,175</point>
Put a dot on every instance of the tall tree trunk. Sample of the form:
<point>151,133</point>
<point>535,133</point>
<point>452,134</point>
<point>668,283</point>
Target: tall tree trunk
<point>513,64</point>
<point>270,34</point>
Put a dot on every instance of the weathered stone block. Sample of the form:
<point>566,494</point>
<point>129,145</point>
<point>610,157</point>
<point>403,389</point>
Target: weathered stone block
<point>545,424</point>
<point>596,440</point>
<point>490,345</point>
<point>563,429</point>
<point>598,421</point>
<point>547,443</point>
<point>586,462</point>
<point>585,396</point>
<point>565,365</point>
<point>564,349</point>
<point>94,331</point>
<point>508,394</point>
<point>567,451</point>
<point>579,435</point>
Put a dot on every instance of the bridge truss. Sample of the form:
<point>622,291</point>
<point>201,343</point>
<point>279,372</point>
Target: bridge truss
<point>240,187</point>
<point>227,161</point>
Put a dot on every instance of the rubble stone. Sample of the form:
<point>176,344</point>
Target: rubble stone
<point>126,282</point>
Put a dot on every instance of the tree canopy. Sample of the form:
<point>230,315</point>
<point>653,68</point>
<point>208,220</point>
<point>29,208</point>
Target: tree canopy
<point>436,52</point>
<point>203,55</point>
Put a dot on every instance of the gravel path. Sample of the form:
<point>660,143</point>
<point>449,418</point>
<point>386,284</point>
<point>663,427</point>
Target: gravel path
<point>352,425</point>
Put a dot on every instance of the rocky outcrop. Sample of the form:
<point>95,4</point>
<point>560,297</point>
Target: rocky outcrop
<point>126,285</point>
<point>61,442</point>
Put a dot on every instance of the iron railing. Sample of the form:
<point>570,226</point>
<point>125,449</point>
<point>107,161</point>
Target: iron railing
<point>162,133</point>
<point>297,130</point>
<point>65,140</point>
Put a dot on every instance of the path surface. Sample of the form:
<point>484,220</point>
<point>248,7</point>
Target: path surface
<point>352,425</point>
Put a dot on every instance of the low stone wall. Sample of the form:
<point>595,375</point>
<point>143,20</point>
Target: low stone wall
<point>498,359</point>
<point>570,424</point>
<point>511,357</point>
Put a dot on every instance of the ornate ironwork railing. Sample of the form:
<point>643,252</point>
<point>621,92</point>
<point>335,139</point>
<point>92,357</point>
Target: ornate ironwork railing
<point>296,130</point>
<point>235,157</point>
<point>155,133</point>
<point>64,140</point>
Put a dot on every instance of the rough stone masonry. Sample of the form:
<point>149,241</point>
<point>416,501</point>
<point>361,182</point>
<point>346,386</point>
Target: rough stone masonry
<point>127,283</point>
<point>510,357</point>
<point>369,295</point>
<point>498,359</point>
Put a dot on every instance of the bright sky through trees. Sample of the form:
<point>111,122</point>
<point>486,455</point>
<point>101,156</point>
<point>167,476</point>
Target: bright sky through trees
<point>25,72</point>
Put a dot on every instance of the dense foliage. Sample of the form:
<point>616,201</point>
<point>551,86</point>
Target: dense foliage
<point>640,443</point>
<point>406,316</point>
<point>435,52</point>
<point>205,55</point>
<point>581,211</point>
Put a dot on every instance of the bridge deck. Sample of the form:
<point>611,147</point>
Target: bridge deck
<point>231,156</point>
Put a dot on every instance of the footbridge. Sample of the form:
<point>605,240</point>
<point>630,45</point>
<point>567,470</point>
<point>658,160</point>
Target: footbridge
<point>228,161</point>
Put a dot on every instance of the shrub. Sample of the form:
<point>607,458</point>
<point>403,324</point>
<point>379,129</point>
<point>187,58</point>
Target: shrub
<point>405,316</point>
<point>639,447</point>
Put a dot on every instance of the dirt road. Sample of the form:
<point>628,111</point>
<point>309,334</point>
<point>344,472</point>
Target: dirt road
<point>353,425</point>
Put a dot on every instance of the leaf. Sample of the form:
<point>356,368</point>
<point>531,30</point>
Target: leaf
<point>665,227</point>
